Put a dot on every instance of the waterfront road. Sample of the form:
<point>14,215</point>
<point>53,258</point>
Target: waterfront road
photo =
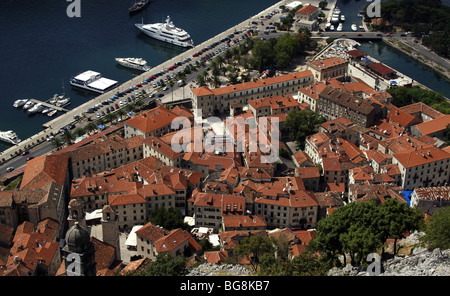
<point>54,126</point>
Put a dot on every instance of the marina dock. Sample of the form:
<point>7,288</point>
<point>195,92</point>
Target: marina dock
<point>46,104</point>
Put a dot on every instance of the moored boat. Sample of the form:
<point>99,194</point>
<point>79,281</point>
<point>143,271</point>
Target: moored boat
<point>354,27</point>
<point>138,6</point>
<point>28,105</point>
<point>20,103</point>
<point>134,63</point>
<point>9,137</point>
<point>167,32</point>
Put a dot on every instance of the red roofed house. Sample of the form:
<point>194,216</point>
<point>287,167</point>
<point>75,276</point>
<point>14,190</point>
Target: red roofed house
<point>244,222</point>
<point>35,250</point>
<point>211,101</point>
<point>153,240</point>
<point>154,122</point>
<point>296,209</point>
<point>307,17</point>
<point>431,128</point>
<point>328,68</point>
<point>210,208</point>
<point>423,167</point>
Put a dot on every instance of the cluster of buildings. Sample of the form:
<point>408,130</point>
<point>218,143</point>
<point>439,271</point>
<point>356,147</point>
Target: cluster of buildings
<point>367,148</point>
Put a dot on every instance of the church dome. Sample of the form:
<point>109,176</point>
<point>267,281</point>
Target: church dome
<point>77,239</point>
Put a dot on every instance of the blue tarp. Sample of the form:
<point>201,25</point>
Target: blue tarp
<point>101,126</point>
<point>407,196</point>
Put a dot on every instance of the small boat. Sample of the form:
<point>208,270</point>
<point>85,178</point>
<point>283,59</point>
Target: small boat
<point>36,108</point>
<point>134,63</point>
<point>332,28</point>
<point>51,113</point>
<point>354,27</point>
<point>20,103</point>
<point>28,105</point>
<point>342,18</point>
<point>46,110</point>
<point>9,137</point>
<point>339,28</point>
<point>138,6</point>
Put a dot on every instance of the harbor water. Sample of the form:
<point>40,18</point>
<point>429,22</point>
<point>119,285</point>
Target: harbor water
<point>42,48</point>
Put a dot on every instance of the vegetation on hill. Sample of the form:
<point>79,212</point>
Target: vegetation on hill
<point>423,17</point>
<point>361,228</point>
<point>437,233</point>
<point>403,96</point>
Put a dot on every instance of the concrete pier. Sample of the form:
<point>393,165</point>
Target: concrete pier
<point>62,109</point>
<point>54,126</point>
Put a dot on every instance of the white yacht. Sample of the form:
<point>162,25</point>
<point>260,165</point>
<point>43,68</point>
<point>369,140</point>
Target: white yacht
<point>9,137</point>
<point>20,103</point>
<point>332,28</point>
<point>167,32</point>
<point>93,81</point>
<point>354,27</point>
<point>339,28</point>
<point>28,105</point>
<point>36,108</point>
<point>342,18</point>
<point>134,63</point>
<point>335,18</point>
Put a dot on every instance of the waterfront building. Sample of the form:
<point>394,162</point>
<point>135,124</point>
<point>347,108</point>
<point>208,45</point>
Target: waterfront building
<point>324,69</point>
<point>215,101</point>
<point>155,122</point>
<point>306,17</point>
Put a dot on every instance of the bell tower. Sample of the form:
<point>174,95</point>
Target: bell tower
<point>110,229</point>
<point>76,213</point>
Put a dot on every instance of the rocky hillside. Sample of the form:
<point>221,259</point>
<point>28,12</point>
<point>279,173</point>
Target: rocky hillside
<point>421,263</point>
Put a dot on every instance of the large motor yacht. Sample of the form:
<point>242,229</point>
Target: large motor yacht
<point>167,32</point>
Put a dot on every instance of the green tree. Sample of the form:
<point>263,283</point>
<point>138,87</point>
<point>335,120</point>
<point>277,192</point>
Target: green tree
<point>90,127</point>
<point>323,4</point>
<point>79,132</point>
<point>57,143</point>
<point>165,265</point>
<point>437,231</point>
<point>350,229</point>
<point>68,136</point>
<point>301,124</point>
<point>309,264</point>
<point>396,218</point>
<point>253,248</point>
<point>170,218</point>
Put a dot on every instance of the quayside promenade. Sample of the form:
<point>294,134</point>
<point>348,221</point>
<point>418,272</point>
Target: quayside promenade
<point>54,126</point>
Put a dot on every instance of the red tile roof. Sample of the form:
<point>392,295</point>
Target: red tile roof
<point>421,156</point>
<point>43,170</point>
<point>204,91</point>
<point>434,125</point>
<point>307,9</point>
<point>152,120</point>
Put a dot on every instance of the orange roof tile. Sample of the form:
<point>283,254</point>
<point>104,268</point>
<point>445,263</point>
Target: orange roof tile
<point>152,120</point>
<point>421,156</point>
<point>307,9</point>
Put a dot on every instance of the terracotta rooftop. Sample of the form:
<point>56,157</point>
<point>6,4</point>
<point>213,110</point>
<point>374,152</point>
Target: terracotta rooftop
<point>205,91</point>
<point>421,156</point>
<point>434,125</point>
<point>307,9</point>
<point>43,170</point>
<point>327,63</point>
<point>152,120</point>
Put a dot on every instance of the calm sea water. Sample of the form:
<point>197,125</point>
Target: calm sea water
<point>41,48</point>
